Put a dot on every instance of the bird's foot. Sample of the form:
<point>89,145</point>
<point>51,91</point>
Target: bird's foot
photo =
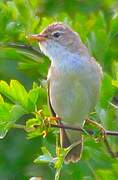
<point>94,129</point>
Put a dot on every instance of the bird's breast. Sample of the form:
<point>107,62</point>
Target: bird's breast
<point>69,94</point>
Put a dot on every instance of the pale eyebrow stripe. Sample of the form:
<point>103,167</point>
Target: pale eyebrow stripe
<point>57,32</point>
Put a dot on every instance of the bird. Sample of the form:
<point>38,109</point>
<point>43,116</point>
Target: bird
<point>74,82</point>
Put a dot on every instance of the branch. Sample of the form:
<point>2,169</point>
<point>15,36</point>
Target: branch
<point>91,132</point>
<point>22,47</point>
<point>111,133</point>
<point>19,126</point>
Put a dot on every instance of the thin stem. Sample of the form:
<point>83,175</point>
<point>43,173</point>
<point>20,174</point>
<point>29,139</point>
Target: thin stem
<point>23,47</point>
<point>66,127</point>
<point>19,126</point>
<point>110,133</point>
<point>109,149</point>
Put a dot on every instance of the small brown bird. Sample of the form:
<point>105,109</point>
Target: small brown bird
<point>74,80</point>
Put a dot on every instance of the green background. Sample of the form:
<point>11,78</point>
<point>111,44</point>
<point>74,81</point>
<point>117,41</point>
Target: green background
<point>97,23</point>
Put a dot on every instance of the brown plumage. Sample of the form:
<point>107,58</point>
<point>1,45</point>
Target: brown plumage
<point>74,80</point>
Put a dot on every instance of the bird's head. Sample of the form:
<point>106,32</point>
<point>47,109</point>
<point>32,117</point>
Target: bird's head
<point>57,39</point>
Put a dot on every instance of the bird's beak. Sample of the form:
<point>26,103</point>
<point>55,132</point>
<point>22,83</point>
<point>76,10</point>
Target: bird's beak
<point>38,37</point>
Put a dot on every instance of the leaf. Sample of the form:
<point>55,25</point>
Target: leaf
<point>5,111</point>
<point>5,90</point>
<point>15,92</point>
<point>45,151</point>
<point>106,91</point>
<point>100,22</point>
<point>23,8</point>
<point>35,127</point>
<point>4,119</point>
<point>43,159</point>
<point>16,112</point>
<point>42,98</point>
<point>106,174</point>
<point>18,92</point>
<point>31,123</point>
<point>24,104</point>
<point>9,114</point>
<point>114,26</point>
<point>32,99</point>
<point>115,83</point>
<point>1,99</point>
<point>46,158</point>
<point>34,58</point>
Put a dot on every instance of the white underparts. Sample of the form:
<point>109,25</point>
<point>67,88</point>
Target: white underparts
<point>58,53</point>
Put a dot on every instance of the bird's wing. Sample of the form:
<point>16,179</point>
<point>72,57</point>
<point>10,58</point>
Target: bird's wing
<point>64,141</point>
<point>49,102</point>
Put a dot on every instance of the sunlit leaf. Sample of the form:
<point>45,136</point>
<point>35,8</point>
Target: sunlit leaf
<point>46,158</point>
<point>32,99</point>
<point>106,91</point>
<point>114,26</point>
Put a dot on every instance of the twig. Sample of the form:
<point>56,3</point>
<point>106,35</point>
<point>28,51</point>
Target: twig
<point>111,133</point>
<point>23,47</point>
<point>91,132</point>
<point>19,126</point>
<point>109,149</point>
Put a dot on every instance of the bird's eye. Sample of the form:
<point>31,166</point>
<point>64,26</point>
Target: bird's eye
<point>56,34</point>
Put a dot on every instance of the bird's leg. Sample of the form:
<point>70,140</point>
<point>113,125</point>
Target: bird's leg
<point>94,129</point>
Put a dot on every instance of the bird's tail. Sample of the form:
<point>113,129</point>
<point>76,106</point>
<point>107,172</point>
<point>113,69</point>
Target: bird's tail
<point>68,138</point>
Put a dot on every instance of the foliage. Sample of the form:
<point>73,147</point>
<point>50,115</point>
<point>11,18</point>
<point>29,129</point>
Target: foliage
<point>97,23</point>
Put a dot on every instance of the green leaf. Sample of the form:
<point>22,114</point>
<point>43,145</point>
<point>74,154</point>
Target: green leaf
<point>1,99</point>
<point>114,26</point>
<point>115,83</point>
<point>100,22</point>
<point>18,92</point>
<point>32,99</point>
<point>4,119</point>
<point>15,92</point>
<point>34,127</point>
<point>31,123</point>
<point>46,158</point>
<point>43,159</point>
<point>9,114</point>
<point>24,9</point>
<point>5,89</point>
<point>45,151</point>
<point>106,174</point>
<point>106,91</point>
<point>42,98</point>
<point>5,111</point>
<point>16,112</point>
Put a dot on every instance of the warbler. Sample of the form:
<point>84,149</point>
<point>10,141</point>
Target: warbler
<point>74,81</point>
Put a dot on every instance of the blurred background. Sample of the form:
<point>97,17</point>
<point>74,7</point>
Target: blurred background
<point>97,23</point>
